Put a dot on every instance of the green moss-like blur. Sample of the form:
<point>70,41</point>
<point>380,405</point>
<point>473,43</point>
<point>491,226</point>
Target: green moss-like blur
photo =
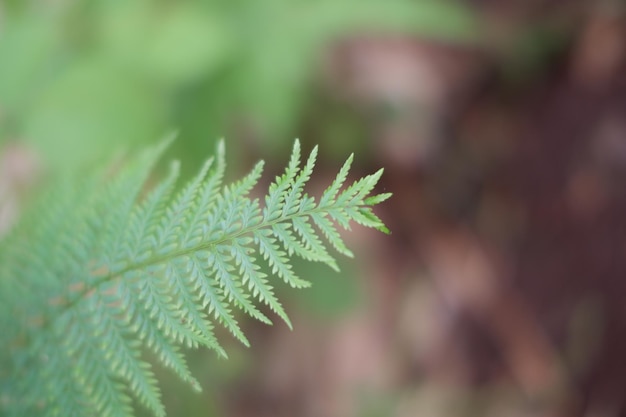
<point>80,78</point>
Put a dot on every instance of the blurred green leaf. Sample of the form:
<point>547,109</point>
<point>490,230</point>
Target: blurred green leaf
<point>28,46</point>
<point>77,78</point>
<point>85,111</point>
<point>174,44</point>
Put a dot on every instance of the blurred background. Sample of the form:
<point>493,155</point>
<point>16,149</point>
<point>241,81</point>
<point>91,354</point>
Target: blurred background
<point>501,125</point>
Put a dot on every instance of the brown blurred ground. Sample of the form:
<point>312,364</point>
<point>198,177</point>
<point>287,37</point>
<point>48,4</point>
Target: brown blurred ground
<point>501,290</point>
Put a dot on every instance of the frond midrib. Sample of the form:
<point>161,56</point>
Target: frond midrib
<point>159,259</point>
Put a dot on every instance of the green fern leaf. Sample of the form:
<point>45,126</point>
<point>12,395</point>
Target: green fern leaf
<point>97,275</point>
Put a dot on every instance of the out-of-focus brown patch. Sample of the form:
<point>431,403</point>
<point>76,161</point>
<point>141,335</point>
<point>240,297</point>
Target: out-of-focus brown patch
<point>408,88</point>
<point>601,49</point>
<point>19,170</point>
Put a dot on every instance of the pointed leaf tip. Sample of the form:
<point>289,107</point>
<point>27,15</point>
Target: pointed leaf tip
<point>376,199</point>
<point>384,229</point>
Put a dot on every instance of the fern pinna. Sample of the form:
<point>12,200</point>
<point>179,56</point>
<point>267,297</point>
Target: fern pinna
<point>100,272</point>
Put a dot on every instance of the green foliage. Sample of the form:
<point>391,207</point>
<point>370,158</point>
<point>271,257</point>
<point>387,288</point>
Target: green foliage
<point>79,75</point>
<point>99,274</point>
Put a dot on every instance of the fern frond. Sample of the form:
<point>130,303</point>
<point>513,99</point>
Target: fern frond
<point>99,275</point>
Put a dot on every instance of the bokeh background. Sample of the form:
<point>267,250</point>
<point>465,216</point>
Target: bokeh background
<point>502,128</point>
